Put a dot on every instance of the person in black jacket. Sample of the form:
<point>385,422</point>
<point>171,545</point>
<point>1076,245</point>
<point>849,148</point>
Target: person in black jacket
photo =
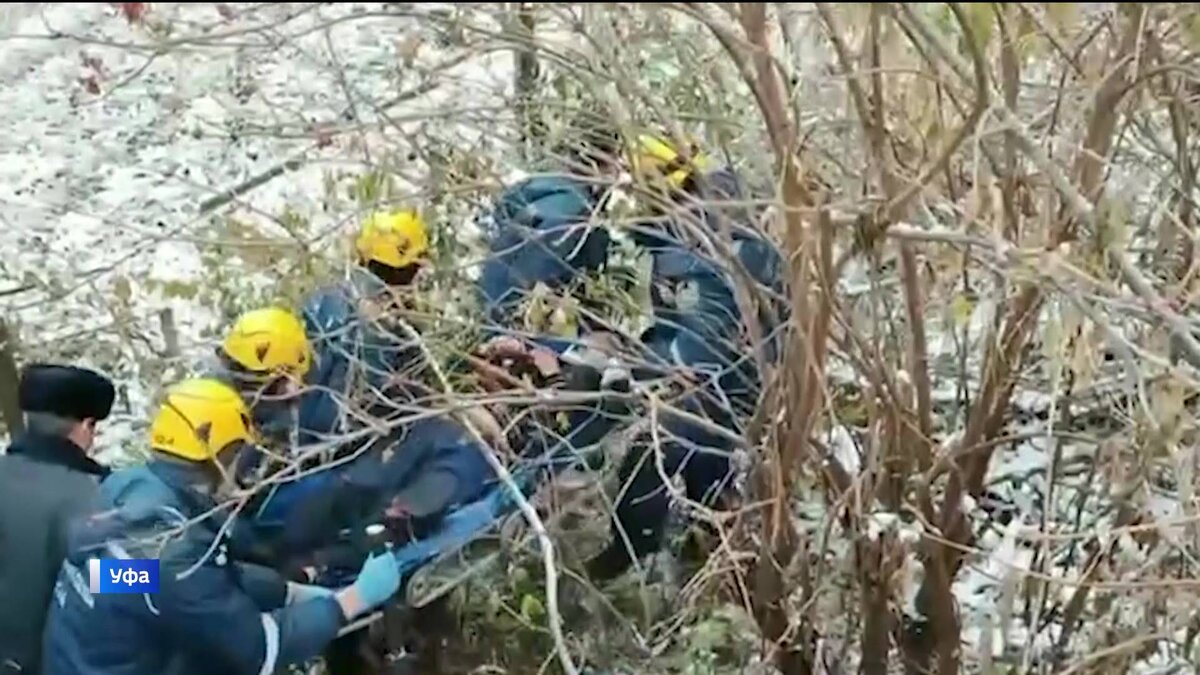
<point>46,478</point>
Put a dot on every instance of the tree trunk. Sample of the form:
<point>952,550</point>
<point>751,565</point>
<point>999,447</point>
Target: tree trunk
<point>527,72</point>
<point>10,406</point>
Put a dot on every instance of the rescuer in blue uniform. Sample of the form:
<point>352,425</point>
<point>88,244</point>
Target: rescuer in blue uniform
<point>265,355</point>
<point>544,230</point>
<point>305,373</point>
<point>211,613</point>
<point>697,335</point>
<point>422,467</point>
<point>406,478</point>
<point>547,231</point>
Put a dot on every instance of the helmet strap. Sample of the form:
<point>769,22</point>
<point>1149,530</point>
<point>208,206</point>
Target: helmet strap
<point>394,276</point>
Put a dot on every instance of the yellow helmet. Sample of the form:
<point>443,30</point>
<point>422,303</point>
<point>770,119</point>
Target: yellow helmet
<point>199,418</point>
<point>395,238</point>
<point>268,341</point>
<point>656,155</point>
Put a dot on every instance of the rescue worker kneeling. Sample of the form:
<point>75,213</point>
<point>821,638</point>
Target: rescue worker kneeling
<point>211,613</point>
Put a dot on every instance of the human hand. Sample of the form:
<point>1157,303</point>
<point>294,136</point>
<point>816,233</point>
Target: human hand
<point>378,581</point>
<point>503,347</point>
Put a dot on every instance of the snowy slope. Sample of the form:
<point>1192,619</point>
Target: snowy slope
<point>110,147</point>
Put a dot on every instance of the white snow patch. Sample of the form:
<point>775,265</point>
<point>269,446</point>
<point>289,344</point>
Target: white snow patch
<point>100,190</point>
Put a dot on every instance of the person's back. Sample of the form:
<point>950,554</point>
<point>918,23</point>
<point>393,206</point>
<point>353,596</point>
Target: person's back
<point>699,330</point>
<point>682,257</point>
<point>698,321</point>
<point>76,640</point>
<point>46,478</point>
<point>36,501</point>
<point>541,231</point>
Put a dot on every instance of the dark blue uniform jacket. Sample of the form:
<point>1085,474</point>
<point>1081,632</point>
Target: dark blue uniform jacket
<point>211,614</point>
<point>541,230</point>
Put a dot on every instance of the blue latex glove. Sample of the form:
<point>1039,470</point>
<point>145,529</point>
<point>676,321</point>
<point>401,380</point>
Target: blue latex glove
<point>305,592</point>
<point>378,580</point>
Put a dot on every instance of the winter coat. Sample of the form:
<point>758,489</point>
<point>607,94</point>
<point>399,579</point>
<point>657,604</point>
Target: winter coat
<point>709,306</point>
<point>698,322</point>
<point>44,481</point>
<point>211,614</point>
<point>540,231</point>
<point>353,353</point>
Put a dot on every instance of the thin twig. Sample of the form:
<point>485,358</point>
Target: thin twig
<point>531,516</point>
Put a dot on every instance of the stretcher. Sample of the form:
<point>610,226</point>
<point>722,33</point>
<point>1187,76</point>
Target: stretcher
<point>419,558</point>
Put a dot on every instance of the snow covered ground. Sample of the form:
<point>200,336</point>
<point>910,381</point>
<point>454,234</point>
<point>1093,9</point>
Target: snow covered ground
<point>115,133</point>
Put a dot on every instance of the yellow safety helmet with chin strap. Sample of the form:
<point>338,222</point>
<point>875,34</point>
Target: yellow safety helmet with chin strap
<point>654,155</point>
<point>269,341</point>
<point>395,238</point>
<point>199,418</point>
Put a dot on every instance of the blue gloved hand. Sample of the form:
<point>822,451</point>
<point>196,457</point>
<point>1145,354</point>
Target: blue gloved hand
<point>304,592</point>
<point>378,580</point>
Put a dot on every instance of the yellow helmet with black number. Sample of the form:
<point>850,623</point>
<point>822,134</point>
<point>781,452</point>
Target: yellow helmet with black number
<point>199,418</point>
<point>269,341</point>
<point>654,155</point>
<point>395,238</point>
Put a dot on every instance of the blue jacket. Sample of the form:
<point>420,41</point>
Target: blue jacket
<point>431,467</point>
<point>218,617</point>
<point>350,352</point>
<point>540,231</point>
<point>691,289</point>
<point>698,322</point>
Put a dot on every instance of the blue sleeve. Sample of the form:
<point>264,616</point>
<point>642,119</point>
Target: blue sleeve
<point>264,585</point>
<point>328,320</point>
<point>209,615</point>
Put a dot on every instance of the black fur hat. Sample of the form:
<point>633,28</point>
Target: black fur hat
<point>66,391</point>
